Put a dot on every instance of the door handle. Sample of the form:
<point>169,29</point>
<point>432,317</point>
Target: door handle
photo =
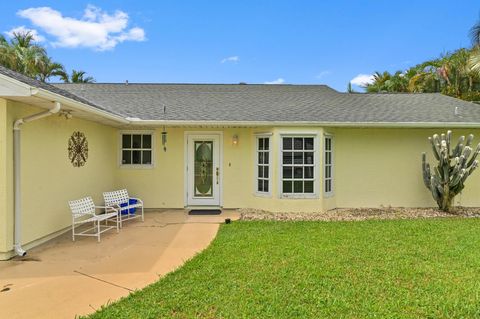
<point>217,173</point>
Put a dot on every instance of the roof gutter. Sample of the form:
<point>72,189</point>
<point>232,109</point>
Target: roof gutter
<point>17,173</point>
<point>139,122</point>
<point>44,94</point>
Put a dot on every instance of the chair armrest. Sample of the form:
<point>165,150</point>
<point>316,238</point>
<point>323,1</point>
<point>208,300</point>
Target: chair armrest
<point>106,208</point>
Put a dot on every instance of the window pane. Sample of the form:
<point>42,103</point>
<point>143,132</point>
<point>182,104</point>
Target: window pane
<point>287,158</point>
<point>147,141</point>
<point>298,187</point>
<point>328,171</point>
<point>328,144</point>
<point>287,186</point>
<point>147,157</point>
<point>298,172</point>
<point>298,158</point>
<point>287,172</point>
<point>308,187</point>
<point>136,157</point>
<point>126,141</point>
<point>328,185</point>
<point>260,185</point>
<point>298,143</point>
<point>260,171</point>
<point>328,157</point>
<point>136,141</point>
<point>266,143</point>
<point>260,143</point>
<point>308,158</point>
<point>126,157</point>
<point>308,172</point>
<point>260,157</point>
<point>287,143</point>
<point>265,158</point>
<point>308,143</point>
<point>265,186</point>
<point>265,171</point>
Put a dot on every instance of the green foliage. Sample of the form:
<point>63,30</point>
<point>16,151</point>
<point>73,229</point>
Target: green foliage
<point>453,168</point>
<point>371,269</point>
<point>23,55</point>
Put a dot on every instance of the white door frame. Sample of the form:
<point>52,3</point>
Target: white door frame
<point>187,171</point>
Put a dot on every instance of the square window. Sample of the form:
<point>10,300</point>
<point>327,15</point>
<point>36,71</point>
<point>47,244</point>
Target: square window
<point>308,172</point>
<point>298,172</point>
<point>298,158</point>
<point>298,143</point>
<point>260,157</point>
<point>126,157</point>
<point>287,158</point>
<point>287,143</point>
<point>147,141</point>
<point>308,143</point>
<point>126,141</point>
<point>287,186</point>
<point>287,172</point>
<point>136,157</point>
<point>298,186</point>
<point>265,171</point>
<point>136,141</point>
<point>308,187</point>
<point>308,158</point>
<point>147,157</point>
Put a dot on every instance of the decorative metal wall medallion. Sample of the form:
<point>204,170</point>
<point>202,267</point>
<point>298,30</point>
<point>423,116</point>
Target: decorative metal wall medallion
<point>78,149</point>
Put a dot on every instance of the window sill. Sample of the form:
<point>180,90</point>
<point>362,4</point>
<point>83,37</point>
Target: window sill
<point>299,196</point>
<point>137,166</point>
<point>264,195</point>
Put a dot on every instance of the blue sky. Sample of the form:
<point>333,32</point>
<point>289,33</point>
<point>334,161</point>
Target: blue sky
<point>297,42</point>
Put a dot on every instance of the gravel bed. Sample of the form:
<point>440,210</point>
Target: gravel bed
<point>356,214</point>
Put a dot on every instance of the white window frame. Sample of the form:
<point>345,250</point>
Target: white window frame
<point>120,149</point>
<point>325,151</point>
<point>316,166</point>
<point>255,177</point>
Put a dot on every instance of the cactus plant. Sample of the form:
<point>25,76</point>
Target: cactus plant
<point>454,167</point>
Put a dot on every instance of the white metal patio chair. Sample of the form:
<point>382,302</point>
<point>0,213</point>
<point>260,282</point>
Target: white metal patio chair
<point>83,211</point>
<point>121,201</point>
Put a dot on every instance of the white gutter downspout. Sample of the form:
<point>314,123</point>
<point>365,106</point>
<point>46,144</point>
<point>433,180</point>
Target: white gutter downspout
<point>16,171</point>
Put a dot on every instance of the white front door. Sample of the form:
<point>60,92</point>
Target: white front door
<point>203,170</point>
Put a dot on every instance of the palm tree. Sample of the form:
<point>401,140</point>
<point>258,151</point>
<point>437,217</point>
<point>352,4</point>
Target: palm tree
<point>474,61</point>
<point>21,54</point>
<point>47,68</point>
<point>77,77</point>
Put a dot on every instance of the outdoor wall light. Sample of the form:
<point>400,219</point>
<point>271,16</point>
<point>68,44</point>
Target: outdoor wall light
<point>235,139</point>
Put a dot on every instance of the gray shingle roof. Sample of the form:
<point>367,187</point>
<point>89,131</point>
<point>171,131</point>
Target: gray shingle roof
<point>282,103</point>
<point>260,103</point>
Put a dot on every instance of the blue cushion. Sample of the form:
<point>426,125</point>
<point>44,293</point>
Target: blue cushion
<point>126,211</point>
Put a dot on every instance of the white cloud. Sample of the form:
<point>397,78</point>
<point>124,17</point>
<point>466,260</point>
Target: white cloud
<point>233,59</point>
<point>96,29</point>
<point>362,79</point>
<point>277,81</point>
<point>22,29</point>
<point>323,74</point>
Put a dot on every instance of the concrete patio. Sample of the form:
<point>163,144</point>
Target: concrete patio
<point>61,278</point>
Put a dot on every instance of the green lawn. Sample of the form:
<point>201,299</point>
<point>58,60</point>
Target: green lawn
<point>371,269</point>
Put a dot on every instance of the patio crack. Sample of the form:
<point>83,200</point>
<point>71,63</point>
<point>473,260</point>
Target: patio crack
<point>102,280</point>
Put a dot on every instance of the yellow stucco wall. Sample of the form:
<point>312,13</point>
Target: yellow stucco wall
<point>48,178</point>
<point>377,167</point>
